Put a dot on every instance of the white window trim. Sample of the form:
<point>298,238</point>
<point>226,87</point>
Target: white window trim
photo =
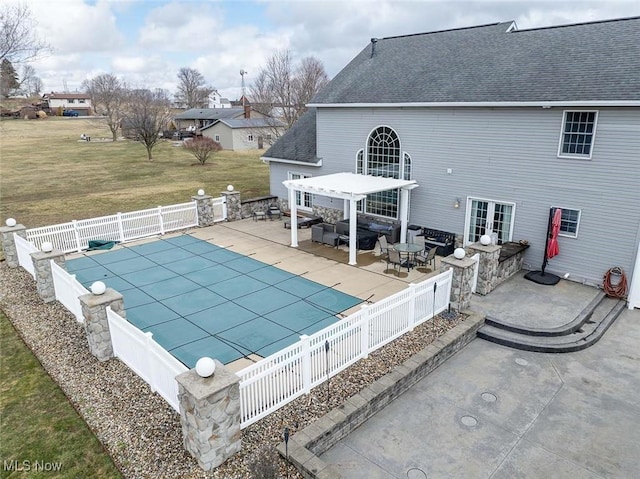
<point>250,137</point>
<point>593,136</point>
<point>467,216</point>
<point>217,138</point>
<point>571,235</point>
<point>301,175</point>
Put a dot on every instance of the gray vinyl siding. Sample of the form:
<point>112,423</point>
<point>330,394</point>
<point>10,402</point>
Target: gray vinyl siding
<point>510,155</point>
<point>226,135</point>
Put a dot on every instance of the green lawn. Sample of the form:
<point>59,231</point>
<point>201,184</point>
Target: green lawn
<point>48,176</point>
<point>39,423</point>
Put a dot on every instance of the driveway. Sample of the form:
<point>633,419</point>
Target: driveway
<point>495,412</point>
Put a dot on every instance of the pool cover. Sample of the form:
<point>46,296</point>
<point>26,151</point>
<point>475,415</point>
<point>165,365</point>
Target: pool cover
<point>199,299</point>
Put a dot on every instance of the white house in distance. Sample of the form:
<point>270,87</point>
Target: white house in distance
<point>497,126</point>
<point>80,102</point>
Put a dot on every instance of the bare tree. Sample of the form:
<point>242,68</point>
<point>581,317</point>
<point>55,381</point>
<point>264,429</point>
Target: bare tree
<point>193,90</point>
<point>282,90</point>
<point>18,41</point>
<point>30,83</point>
<point>202,147</point>
<point>108,96</point>
<point>310,78</point>
<point>8,79</point>
<point>146,116</point>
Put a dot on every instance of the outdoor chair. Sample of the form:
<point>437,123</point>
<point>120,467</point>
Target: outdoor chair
<point>384,245</point>
<point>324,233</point>
<point>393,257</point>
<point>274,212</point>
<point>428,257</point>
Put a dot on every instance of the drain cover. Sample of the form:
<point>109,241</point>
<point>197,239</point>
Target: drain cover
<point>469,421</point>
<point>489,397</point>
<point>522,362</point>
<point>415,473</point>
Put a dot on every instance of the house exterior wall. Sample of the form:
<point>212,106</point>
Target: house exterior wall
<point>226,135</point>
<point>85,107</point>
<point>507,155</point>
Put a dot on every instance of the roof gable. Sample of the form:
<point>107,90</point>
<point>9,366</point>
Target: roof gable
<point>210,113</point>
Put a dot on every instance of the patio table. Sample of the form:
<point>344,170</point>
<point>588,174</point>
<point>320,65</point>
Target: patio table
<point>409,249</point>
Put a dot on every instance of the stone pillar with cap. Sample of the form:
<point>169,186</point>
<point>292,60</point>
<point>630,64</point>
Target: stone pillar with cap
<point>488,266</point>
<point>210,413</point>
<point>8,243</point>
<point>96,324</point>
<point>462,280</point>
<point>44,275</point>
<point>204,206</point>
<point>234,205</point>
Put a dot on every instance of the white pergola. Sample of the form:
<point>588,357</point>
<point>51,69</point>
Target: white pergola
<point>351,188</point>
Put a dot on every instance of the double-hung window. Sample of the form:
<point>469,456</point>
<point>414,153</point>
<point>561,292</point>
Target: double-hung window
<point>578,134</point>
<point>569,223</point>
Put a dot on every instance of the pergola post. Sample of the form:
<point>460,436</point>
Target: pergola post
<point>346,209</point>
<point>353,231</point>
<point>404,214</point>
<point>294,217</point>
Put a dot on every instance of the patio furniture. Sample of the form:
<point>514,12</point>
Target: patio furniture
<point>426,258</point>
<point>304,222</point>
<point>443,240</point>
<point>274,212</point>
<point>390,230</point>
<point>324,233</point>
<point>394,259</point>
<point>384,245</point>
<point>410,249</point>
<point>259,215</point>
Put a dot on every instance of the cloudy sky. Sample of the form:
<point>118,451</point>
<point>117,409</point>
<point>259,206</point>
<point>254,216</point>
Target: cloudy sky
<point>145,42</point>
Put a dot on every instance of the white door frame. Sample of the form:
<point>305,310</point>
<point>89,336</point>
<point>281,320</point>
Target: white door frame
<point>634,289</point>
<point>490,213</point>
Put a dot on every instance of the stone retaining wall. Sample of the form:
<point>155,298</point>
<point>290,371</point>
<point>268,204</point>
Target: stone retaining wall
<point>261,203</point>
<point>309,443</point>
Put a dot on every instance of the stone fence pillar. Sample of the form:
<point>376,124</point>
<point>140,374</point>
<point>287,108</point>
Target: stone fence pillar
<point>210,415</point>
<point>96,325</point>
<point>44,276</point>
<point>488,267</point>
<point>462,281</point>
<point>9,245</point>
<point>205,210</point>
<point>234,207</point>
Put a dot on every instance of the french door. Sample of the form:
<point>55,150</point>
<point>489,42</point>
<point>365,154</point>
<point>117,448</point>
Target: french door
<point>485,217</point>
<point>304,200</point>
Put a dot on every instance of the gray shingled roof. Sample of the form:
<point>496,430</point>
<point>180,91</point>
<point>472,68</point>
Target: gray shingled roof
<point>595,61</point>
<point>209,113</point>
<point>299,142</point>
<point>252,123</point>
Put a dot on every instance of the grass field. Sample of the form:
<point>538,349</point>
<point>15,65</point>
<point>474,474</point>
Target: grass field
<point>38,423</point>
<point>48,176</point>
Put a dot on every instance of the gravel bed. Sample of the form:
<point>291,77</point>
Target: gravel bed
<point>137,427</point>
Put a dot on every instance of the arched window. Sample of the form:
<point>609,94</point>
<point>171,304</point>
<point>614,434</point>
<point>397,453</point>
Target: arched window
<point>360,171</point>
<point>383,159</point>
<point>407,167</point>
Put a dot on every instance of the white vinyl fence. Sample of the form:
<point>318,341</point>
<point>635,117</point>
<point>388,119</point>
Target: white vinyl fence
<point>24,249</point>
<point>280,378</point>
<point>146,358</point>
<point>68,289</point>
<point>122,227</point>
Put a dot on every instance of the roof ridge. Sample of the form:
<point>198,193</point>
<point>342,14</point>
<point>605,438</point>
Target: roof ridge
<point>593,22</point>
<point>444,31</point>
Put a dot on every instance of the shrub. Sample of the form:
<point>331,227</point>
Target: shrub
<point>202,147</point>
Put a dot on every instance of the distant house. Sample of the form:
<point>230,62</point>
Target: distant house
<point>497,126</point>
<point>80,102</point>
<point>233,128</point>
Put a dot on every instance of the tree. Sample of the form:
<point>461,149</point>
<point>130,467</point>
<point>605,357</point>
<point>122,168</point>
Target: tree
<point>108,95</point>
<point>30,83</point>
<point>147,114</point>
<point>283,90</point>
<point>18,41</point>
<point>202,147</point>
<point>192,90</point>
<point>8,78</point>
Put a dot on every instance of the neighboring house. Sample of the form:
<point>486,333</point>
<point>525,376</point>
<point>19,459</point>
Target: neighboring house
<point>233,128</point>
<point>216,101</point>
<point>497,126</point>
<point>80,102</point>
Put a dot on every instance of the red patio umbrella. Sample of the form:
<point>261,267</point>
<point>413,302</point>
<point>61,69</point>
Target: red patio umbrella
<point>551,249</point>
<point>552,243</point>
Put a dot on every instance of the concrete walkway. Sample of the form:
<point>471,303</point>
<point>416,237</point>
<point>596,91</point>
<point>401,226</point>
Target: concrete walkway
<point>495,412</point>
